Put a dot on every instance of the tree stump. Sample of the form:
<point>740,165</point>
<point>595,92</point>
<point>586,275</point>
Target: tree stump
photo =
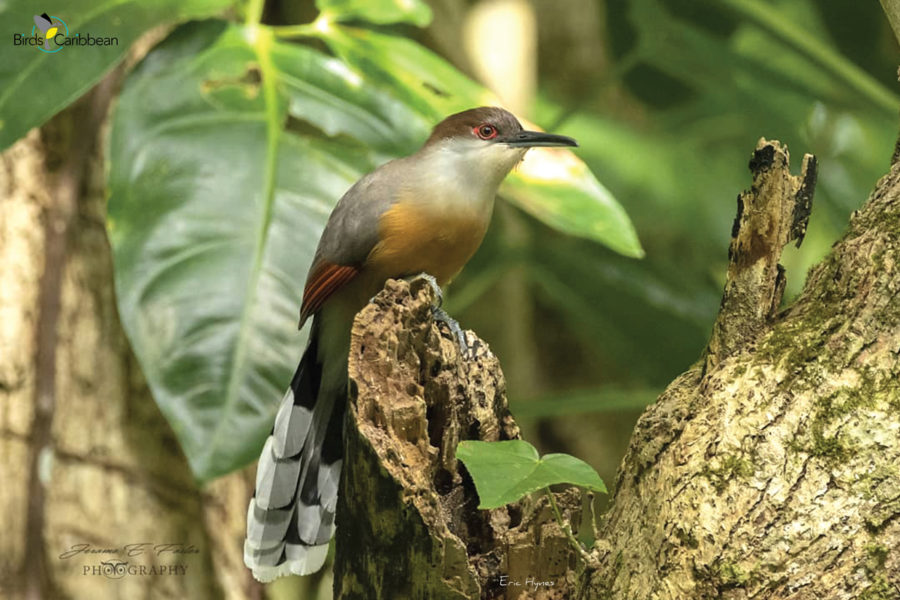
<point>408,525</point>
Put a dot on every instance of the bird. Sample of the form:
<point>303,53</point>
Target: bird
<point>45,24</point>
<point>421,215</point>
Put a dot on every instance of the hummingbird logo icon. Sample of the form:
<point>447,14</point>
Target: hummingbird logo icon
<point>50,28</point>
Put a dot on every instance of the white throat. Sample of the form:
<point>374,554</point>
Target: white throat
<point>465,173</point>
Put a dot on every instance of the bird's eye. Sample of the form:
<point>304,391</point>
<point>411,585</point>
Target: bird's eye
<point>486,131</point>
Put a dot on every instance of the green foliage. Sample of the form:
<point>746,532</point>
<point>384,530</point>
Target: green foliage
<point>34,85</point>
<point>504,472</point>
<point>229,147</point>
<point>670,125</point>
<point>604,399</point>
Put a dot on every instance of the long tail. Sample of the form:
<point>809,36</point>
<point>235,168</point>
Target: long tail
<point>291,516</point>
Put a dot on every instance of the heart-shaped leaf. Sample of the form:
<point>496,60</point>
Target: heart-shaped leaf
<point>504,472</point>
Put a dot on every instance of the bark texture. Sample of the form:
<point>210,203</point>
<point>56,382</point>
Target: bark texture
<point>407,521</point>
<point>85,455</point>
<point>770,469</point>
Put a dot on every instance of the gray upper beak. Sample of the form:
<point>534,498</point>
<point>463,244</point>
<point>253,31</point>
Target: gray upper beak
<point>528,139</point>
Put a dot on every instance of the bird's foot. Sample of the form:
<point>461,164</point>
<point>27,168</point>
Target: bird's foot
<point>441,316</point>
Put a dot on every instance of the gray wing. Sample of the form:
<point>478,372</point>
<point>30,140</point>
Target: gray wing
<point>352,228</point>
<point>350,234</point>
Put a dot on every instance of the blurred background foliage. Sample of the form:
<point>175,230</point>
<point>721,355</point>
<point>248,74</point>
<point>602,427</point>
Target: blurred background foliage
<point>667,99</point>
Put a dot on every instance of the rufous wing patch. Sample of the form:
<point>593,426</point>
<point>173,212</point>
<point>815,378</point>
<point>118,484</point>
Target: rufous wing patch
<point>324,279</point>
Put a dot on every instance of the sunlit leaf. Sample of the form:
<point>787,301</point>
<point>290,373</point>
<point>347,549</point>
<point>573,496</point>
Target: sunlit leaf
<point>339,100</point>
<point>558,189</point>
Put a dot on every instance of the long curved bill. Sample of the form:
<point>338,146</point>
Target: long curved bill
<point>529,139</point>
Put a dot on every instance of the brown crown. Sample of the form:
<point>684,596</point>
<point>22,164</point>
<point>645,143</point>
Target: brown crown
<point>463,123</point>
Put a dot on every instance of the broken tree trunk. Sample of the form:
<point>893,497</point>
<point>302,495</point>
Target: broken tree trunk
<point>770,469</point>
<point>408,525</point>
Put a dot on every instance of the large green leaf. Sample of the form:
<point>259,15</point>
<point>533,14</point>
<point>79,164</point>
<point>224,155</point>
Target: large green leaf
<point>34,85</point>
<point>214,214</point>
<point>503,472</point>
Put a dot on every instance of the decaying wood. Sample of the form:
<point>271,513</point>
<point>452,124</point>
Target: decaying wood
<point>407,521</point>
<point>772,470</point>
<point>771,214</point>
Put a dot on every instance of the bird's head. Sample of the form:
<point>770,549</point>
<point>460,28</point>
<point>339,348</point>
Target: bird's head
<point>488,139</point>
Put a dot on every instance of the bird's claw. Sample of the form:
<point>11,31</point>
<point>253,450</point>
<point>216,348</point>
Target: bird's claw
<point>440,315</point>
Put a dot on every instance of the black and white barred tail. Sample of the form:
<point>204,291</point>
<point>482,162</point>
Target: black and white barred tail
<point>290,520</point>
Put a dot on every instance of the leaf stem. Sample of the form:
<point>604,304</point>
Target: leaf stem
<point>293,31</point>
<point>321,26</point>
<point>594,527</point>
<point>566,529</point>
<point>254,12</point>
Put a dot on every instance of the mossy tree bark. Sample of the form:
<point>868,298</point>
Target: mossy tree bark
<point>768,470</point>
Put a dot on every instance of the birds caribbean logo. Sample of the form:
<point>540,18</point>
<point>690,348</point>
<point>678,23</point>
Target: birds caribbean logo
<point>51,28</point>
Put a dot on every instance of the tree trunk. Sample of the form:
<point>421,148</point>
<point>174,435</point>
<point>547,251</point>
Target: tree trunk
<point>85,455</point>
<point>768,470</point>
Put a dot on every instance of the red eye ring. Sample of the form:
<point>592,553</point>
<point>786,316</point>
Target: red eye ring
<point>486,131</point>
